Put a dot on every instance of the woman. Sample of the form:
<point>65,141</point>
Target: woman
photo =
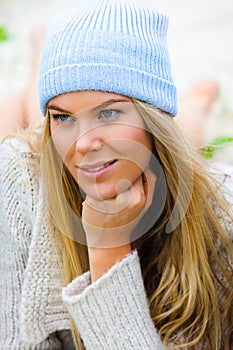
<point>112,204</point>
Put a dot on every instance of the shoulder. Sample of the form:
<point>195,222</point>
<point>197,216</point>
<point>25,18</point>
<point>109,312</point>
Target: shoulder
<point>19,156</point>
<point>20,144</point>
<point>19,180</point>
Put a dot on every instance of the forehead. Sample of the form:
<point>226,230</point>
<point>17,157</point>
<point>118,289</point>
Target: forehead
<point>81,100</point>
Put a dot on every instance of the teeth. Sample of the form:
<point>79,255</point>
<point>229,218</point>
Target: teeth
<point>98,168</point>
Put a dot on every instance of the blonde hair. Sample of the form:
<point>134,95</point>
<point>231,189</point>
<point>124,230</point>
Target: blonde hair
<point>182,261</point>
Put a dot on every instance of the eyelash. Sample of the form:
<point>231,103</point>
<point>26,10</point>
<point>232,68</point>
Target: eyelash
<point>57,118</point>
<point>70,119</point>
<point>115,113</point>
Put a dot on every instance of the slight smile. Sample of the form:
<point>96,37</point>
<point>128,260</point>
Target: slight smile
<point>97,169</point>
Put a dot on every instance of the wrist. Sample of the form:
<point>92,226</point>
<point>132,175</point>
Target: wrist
<point>102,259</point>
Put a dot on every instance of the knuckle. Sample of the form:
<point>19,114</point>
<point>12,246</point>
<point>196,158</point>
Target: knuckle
<point>138,198</point>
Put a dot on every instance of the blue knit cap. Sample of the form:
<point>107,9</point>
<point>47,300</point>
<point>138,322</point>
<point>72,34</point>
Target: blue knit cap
<point>116,46</point>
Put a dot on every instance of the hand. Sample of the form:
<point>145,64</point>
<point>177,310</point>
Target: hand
<point>110,223</point>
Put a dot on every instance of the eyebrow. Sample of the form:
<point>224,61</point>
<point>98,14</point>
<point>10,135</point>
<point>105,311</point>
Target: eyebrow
<point>102,105</point>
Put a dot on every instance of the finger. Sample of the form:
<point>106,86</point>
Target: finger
<point>98,205</point>
<point>110,206</point>
<point>138,194</point>
<point>149,183</point>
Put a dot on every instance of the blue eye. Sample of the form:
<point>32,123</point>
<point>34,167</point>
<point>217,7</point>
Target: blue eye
<point>109,113</point>
<point>62,118</point>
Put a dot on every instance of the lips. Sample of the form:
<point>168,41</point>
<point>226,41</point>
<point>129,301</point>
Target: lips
<point>96,168</point>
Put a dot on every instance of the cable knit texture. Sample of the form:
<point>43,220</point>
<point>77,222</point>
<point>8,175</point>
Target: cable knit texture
<point>112,313</point>
<point>31,308</point>
<point>126,320</point>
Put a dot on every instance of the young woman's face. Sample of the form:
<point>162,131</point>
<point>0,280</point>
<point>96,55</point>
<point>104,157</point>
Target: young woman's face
<point>102,140</point>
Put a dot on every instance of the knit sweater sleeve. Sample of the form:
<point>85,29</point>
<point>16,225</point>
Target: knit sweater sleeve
<point>112,313</point>
<point>28,310</point>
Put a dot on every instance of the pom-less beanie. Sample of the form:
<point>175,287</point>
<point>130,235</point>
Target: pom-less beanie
<point>114,45</point>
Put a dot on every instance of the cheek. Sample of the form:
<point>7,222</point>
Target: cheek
<point>64,144</point>
<point>137,134</point>
<point>136,146</point>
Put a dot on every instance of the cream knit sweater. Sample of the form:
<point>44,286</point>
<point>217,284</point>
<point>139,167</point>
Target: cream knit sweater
<point>111,313</point>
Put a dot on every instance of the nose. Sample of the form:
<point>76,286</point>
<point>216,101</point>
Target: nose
<point>89,141</point>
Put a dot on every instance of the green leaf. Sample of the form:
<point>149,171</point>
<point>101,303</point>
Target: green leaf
<point>3,34</point>
<point>218,144</point>
<point>222,140</point>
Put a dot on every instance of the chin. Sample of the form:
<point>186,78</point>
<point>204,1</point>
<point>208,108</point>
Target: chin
<point>102,193</point>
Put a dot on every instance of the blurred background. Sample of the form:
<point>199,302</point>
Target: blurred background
<point>199,38</point>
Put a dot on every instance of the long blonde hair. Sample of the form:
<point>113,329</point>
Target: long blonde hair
<point>183,264</point>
